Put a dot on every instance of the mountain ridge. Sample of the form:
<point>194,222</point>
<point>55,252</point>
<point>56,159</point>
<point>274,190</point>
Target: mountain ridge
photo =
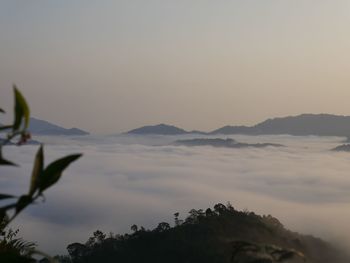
<point>42,127</point>
<point>160,129</point>
<point>299,125</point>
<point>222,143</point>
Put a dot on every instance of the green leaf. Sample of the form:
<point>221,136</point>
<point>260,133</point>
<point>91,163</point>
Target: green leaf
<point>6,196</point>
<point>22,202</point>
<point>21,110</point>
<point>53,172</point>
<point>37,170</point>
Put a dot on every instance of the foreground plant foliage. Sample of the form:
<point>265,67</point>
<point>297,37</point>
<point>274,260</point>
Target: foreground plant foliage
<point>218,235</point>
<point>14,249</point>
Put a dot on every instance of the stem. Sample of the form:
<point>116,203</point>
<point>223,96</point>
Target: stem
<point>17,213</point>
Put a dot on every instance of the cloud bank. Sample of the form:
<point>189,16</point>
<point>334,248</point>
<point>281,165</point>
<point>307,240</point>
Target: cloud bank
<point>125,180</point>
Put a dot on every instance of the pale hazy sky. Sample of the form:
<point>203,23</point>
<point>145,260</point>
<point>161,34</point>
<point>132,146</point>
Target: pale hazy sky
<point>108,66</point>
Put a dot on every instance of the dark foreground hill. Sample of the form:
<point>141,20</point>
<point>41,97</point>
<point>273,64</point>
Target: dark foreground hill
<point>219,235</point>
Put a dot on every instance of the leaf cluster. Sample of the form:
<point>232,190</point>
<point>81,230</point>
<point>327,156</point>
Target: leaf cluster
<point>42,177</point>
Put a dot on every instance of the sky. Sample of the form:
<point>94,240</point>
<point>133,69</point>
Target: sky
<point>110,66</point>
<point>122,180</point>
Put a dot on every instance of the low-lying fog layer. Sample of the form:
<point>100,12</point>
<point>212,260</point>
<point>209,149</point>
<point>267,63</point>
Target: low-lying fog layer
<point>125,180</point>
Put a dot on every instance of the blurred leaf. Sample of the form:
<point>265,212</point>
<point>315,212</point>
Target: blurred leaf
<point>5,196</point>
<point>3,215</point>
<point>22,202</point>
<point>21,110</point>
<point>53,172</point>
<point>1,110</point>
<point>37,170</point>
<point>6,162</point>
<point>6,127</point>
<point>21,245</point>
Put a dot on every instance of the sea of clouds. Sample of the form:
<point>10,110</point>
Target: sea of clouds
<point>124,180</point>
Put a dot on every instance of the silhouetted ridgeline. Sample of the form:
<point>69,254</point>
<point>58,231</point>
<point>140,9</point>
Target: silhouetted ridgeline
<point>42,127</point>
<point>161,129</point>
<point>227,143</point>
<point>342,148</point>
<point>219,235</point>
<point>305,124</point>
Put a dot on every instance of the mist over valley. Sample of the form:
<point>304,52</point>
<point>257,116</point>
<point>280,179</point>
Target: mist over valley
<point>126,179</point>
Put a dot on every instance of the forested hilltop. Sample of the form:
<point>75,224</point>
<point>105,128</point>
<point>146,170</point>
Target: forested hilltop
<point>218,235</point>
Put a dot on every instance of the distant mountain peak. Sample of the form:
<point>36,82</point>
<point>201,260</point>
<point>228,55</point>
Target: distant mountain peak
<point>301,125</point>
<point>42,127</point>
<point>160,129</point>
<point>322,124</point>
